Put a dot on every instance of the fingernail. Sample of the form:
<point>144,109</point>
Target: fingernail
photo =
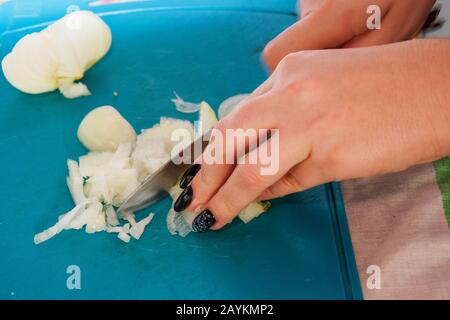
<point>188,175</point>
<point>203,221</point>
<point>184,200</point>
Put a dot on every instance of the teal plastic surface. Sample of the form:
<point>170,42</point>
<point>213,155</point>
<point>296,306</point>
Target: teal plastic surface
<point>204,50</point>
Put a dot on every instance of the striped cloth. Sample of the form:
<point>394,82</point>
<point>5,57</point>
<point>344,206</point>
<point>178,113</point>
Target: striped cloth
<point>400,223</point>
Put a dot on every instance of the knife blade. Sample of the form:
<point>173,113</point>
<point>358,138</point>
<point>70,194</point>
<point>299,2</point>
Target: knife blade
<point>156,186</point>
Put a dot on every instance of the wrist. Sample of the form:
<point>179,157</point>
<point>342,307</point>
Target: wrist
<point>433,64</point>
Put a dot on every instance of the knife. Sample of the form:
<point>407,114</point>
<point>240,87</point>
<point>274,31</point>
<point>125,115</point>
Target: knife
<point>156,186</point>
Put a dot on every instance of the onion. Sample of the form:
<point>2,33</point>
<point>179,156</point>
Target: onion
<point>184,106</point>
<point>95,218</point>
<point>176,223</point>
<point>138,229</point>
<point>74,90</point>
<point>63,223</point>
<point>57,56</point>
<point>75,182</point>
<point>103,180</point>
<point>111,216</point>
<point>124,237</point>
<point>253,211</point>
<point>154,145</point>
<point>207,119</point>
<point>104,129</point>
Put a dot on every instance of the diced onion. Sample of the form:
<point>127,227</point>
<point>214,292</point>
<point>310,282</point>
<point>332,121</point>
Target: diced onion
<point>75,182</point>
<point>103,180</point>
<point>73,90</point>
<point>63,222</point>
<point>138,229</point>
<point>184,106</point>
<point>124,237</point>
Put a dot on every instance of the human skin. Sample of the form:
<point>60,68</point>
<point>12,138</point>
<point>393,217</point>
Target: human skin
<point>343,23</point>
<point>341,114</point>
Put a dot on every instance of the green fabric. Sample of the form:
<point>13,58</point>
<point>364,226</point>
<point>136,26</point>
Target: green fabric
<point>442,169</point>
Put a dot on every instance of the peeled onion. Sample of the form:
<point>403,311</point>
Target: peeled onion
<point>104,129</point>
<point>57,56</point>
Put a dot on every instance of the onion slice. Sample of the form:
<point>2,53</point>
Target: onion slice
<point>63,223</point>
<point>185,106</point>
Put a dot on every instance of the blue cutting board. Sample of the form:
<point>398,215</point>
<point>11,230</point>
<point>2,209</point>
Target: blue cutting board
<point>204,50</point>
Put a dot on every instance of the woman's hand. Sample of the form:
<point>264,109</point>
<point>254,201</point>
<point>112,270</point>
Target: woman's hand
<point>343,23</point>
<point>341,114</point>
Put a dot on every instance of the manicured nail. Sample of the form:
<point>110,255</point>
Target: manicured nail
<point>184,200</point>
<point>203,221</point>
<point>188,175</point>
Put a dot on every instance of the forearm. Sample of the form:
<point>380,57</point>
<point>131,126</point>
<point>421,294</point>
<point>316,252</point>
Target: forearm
<point>433,75</point>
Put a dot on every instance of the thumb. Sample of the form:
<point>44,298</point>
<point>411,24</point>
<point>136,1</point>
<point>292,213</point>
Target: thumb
<point>318,30</point>
<point>249,180</point>
<point>301,177</point>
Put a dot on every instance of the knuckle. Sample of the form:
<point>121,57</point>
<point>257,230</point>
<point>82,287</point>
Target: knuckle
<point>248,110</point>
<point>292,183</point>
<point>289,61</point>
<point>347,17</point>
<point>293,87</point>
<point>270,53</point>
<point>249,176</point>
<point>242,115</point>
<point>206,179</point>
<point>300,66</point>
<point>341,6</point>
<point>223,210</point>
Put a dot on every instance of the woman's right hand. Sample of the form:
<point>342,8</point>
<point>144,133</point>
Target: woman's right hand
<point>340,114</point>
<point>328,24</point>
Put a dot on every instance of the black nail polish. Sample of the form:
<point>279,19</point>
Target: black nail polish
<point>203,221</point>
<point>184,199</point>
<point>188,175</point>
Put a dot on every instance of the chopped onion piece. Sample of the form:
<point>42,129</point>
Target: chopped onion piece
<point>130,218</point>
<point>184,106</point>
<point>176,224</point>
<point>124,237</point>
<point>154,145</point>
<point>121,158</point>
<point>111,216</point>
<point>207,119</point>
<point>75,182</point>
<point>253,211</point>
<point>63,222</point>
<point>95,218</point>
<point>73,90</point>
<point>114,229</point>
<point>126,228</point>
<point>138,229</point>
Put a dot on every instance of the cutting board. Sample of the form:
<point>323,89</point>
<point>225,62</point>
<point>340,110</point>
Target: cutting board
<point>203,50</point>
